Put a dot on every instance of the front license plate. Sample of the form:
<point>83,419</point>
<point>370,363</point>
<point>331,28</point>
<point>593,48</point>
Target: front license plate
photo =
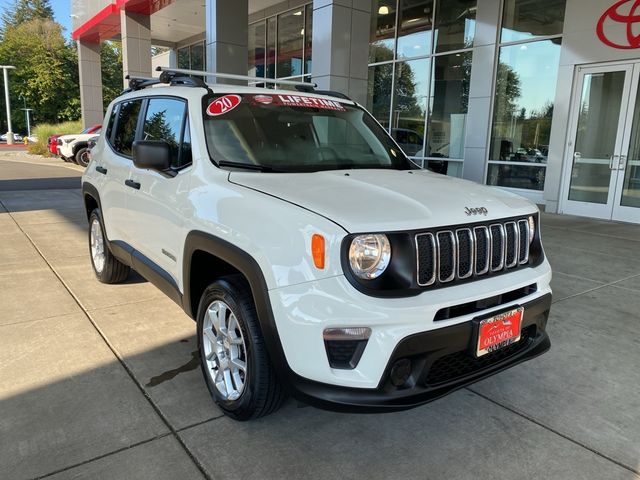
<point>499,331</point>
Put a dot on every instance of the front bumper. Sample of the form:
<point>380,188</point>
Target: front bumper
<point>400,328</point>
<point>441,363</point>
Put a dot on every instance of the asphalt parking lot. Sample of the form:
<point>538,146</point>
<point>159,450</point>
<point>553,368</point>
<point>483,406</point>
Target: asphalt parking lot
<point>102,381</point>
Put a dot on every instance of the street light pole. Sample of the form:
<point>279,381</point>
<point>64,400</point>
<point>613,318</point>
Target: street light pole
<point>5,69</point>
<point>26,114</point>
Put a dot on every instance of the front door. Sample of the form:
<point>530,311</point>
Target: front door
<point>603,178</point>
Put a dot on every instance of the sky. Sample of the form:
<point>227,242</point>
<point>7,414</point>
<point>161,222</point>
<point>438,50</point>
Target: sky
<point>62,12</point>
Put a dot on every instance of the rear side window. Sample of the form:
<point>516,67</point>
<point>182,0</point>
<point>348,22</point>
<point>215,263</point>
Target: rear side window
<point>127,120</point>
<point>112,121</point>
<point>165,120</point>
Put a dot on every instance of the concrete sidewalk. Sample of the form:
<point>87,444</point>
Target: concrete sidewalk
<point>102,381</point>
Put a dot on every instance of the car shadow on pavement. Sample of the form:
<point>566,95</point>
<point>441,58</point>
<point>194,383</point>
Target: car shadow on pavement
<point>72,182</point>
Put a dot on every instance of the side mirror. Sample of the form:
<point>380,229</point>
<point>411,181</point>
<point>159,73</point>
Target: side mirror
<point>152,154</point>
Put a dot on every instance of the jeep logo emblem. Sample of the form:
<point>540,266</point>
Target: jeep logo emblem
<point>476,211</point>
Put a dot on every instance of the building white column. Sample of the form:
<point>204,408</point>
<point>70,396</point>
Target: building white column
<point>483,66</point>
<point>136,44</point>
<point>341,46</point>
<point>90,83</point>
<point>227,36</point>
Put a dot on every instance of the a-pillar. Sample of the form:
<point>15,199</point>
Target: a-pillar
<point>90,83</point>
<point>341,46</point>
<point>136,44</point>
<point>227,36</point>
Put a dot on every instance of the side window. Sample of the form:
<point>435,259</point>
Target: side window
<point>126,127</point>
<point>163,121</point>
<point>112,120</point>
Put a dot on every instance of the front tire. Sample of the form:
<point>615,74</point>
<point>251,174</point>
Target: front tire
<point>233,353</point>
<point>82,157</point>
<point>108,269</point>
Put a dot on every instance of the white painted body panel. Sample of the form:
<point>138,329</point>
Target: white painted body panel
<point>388,200</point>
<point>303,311</point>
<point>66,149</point>
<point>272,217</point>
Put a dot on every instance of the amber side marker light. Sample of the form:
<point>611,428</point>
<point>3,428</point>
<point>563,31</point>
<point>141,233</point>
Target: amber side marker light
<point>317,250</point>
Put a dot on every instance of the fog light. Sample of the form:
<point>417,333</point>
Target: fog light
<point>345,346</point>
<point>400,372</point>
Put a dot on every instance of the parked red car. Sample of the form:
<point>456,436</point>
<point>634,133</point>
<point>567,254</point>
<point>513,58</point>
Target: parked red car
<point>52,141</point>
<point>52,144</point>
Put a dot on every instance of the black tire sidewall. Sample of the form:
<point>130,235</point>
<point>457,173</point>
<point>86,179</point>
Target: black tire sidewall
<point>224,291</point>
<point>78,157</point>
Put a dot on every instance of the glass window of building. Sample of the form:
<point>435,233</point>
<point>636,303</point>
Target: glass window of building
<point>523,108</point>
<point>308,35</point>
<point>448,105</point>
<point>281,46</point>
<point>256,49</point>
<point>192,57</point>
<point>197,56</point>
<point>379,92</point>
<point>455,25</point>
<point>383,30</point>
<point>410,105</point>
<point>290,43</point>
<point>523,19</point>
<point>428,71</point>
<point>271,47</point>
<point>414,28</point>
<point>183,58</point>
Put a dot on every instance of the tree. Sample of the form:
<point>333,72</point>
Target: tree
<point>111,60</point>
<point>46,73</point>
<point>24,11</point>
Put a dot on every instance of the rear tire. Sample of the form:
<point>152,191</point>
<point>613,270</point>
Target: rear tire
<point>82,157</point>
<point>233,354</point>
<point>107,268</point>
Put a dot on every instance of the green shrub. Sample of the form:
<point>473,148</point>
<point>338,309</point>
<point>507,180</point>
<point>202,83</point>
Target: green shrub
<point>44,130</point>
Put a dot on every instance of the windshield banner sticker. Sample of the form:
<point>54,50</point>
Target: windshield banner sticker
<point>310,102</point>
<point>298,101</point>
<point>222,105</point>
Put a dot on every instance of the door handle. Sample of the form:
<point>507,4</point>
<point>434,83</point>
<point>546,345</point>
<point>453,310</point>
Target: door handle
<point>622,163</point>
<point>101,170</point>
<point>611,164</point>
<point>132,184</point>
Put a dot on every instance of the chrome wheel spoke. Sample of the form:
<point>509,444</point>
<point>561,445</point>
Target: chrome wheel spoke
<point>224,350</point>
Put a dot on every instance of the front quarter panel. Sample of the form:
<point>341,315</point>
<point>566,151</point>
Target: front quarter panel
<point>275,233</point>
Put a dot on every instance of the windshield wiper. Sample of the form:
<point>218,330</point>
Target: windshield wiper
<point>247,166</point>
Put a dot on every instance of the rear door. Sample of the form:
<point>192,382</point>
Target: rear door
<point>160,204</point>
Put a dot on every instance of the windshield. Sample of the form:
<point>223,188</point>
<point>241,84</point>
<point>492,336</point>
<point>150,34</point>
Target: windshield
<point>293,133</point>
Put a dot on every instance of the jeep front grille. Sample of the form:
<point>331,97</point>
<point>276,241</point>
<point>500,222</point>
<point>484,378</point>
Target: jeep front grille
<point>447,255</point>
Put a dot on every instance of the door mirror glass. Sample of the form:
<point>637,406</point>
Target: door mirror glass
<point>152,154</point>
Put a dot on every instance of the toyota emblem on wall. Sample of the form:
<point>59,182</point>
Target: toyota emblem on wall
<point>619,25</point>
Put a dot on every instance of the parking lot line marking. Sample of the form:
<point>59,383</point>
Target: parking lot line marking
<point>117,354</point>
<point>552,430</point>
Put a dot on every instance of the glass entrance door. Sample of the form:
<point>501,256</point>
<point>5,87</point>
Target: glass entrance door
<point>604,175</point>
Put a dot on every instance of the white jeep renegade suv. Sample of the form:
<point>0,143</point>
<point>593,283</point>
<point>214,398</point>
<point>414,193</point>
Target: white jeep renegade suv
<point>316,259</point>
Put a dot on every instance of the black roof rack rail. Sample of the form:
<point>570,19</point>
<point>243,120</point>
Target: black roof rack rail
<point>138,83</point>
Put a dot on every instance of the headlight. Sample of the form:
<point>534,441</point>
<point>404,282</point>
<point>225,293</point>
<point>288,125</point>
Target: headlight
<point>532,228</point>
<point>369,255</point>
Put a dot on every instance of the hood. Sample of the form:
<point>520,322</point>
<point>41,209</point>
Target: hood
<point>78,136</point>
<point>388,200</point>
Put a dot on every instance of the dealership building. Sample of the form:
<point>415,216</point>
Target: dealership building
<point>539,97</point>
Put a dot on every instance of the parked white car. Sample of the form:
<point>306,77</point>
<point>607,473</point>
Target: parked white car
<point>316,259</point>
<point>75,147</point>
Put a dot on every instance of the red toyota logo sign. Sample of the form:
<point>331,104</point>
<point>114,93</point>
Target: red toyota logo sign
<point>616,25</point>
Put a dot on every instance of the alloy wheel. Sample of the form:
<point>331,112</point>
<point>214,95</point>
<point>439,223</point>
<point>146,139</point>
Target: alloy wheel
<point>97,246</point>
<point>225,351</point>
